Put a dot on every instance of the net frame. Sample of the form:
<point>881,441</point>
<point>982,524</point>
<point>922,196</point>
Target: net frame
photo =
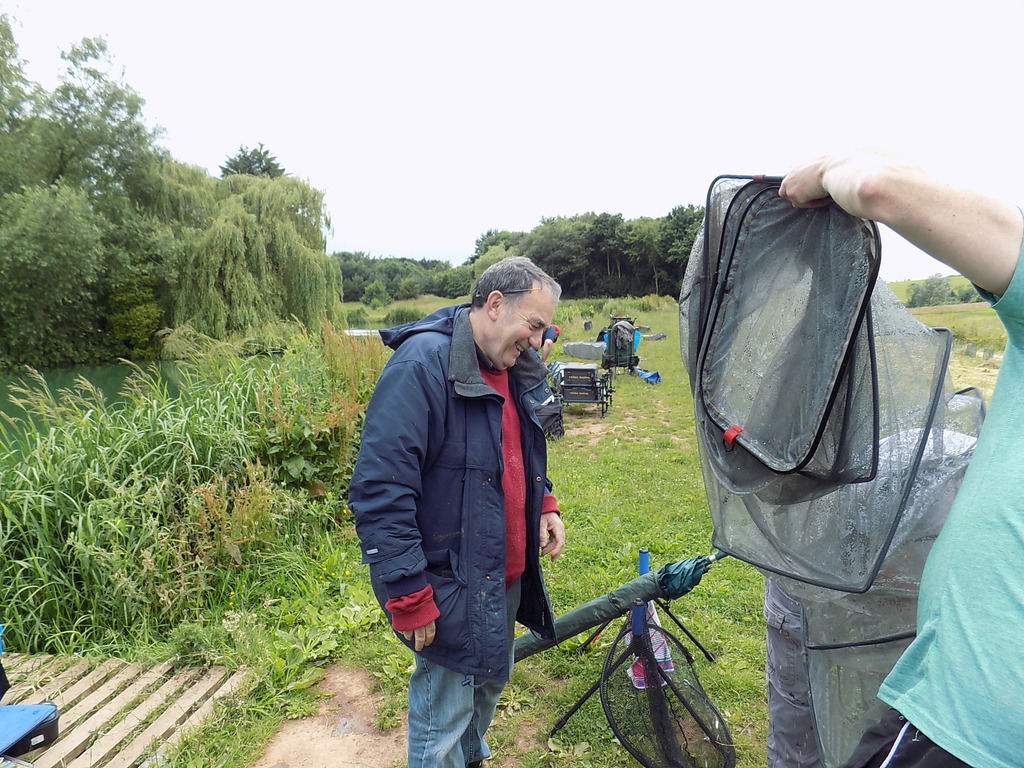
<point>671,724</point>
<point>827,521</point>
<point>760,227</point>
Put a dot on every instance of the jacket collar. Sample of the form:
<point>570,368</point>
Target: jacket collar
<point>464,365</point>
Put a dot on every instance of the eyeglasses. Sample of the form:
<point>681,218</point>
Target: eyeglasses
<point>522,290</point>
<point>515,290</point>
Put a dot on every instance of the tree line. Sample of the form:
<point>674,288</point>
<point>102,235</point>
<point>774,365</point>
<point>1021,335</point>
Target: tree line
<point>106,240</point>
<point>937,291</point>
<point>591,255</point>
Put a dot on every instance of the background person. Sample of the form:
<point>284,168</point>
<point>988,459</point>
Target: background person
<point>956,691</point>
<point>452,503</point>
<point>551,334</point>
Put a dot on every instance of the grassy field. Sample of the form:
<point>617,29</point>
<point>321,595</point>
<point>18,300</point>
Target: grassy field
<point>978,341</point>
<point>250,570</point>
<point>978,336</point>
<point>975,323</point>
<point>974,371</point>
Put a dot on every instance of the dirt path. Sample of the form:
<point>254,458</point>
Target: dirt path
<point>341,733</point>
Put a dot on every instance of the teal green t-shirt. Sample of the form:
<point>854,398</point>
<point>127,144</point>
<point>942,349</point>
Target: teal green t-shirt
<point>961,682</point>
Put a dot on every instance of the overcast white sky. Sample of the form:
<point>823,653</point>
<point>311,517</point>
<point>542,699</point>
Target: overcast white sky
<point>428,123</point>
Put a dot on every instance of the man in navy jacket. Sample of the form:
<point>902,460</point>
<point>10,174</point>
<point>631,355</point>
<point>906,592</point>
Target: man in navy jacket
<point>453,506</point>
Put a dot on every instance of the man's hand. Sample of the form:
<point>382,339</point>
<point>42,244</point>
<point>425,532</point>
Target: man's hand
<point>552,534</point>
<point>421,636</point>
<point>976,235</point>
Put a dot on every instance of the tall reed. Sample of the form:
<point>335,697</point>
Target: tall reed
<point>119,522</point>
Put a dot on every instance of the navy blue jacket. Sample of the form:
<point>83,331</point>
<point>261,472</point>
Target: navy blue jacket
<point>426,489</point>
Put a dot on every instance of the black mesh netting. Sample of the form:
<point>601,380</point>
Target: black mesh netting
<point>831,440</point>
<point>775,357</point>
<point>814,388</point>
<point>853,639</point>
<point>888,608</point>
<point>656,706</point>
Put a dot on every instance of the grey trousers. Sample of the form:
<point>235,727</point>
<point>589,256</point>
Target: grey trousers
<point>792,740</point>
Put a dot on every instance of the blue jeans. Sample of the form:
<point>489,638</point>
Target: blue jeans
<point>449,712</point>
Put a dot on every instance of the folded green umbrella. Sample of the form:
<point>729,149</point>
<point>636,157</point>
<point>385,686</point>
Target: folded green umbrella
<point>668,582</point>
<point>678,578</point>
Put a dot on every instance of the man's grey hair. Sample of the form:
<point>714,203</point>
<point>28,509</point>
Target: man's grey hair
<point>514,277</point>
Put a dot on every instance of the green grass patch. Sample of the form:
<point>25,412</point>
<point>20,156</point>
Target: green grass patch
<point>974,324</point>
<point>377,317</point>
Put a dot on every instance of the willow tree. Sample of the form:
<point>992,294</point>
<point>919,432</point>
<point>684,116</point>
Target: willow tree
<point>51,256</point>
<point>259,259</point>
<point>179,195</point>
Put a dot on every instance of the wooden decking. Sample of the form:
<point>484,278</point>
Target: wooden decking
<point>111,712</point>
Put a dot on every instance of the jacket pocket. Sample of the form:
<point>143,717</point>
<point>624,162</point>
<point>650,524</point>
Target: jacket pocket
<point>452,602</point>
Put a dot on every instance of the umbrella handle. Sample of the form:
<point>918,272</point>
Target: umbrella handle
<point>717,556</point>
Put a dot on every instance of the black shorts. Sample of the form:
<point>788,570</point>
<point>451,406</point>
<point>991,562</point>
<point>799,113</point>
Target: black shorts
<point>893,742</point>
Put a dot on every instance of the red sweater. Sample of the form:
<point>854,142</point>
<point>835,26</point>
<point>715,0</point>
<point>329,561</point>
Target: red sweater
<point>513,479</point>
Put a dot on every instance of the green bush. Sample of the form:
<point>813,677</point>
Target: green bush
<point>136,328</point>
<point>357,318</point>
<point>408,288</point>
<point>591,308</point>
<point>401,315</point>
<point>376,295</point>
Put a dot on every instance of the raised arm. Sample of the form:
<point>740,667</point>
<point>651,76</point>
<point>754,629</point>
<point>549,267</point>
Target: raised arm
<point>976,235</point>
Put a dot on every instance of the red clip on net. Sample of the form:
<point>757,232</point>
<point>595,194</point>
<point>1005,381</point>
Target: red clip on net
<point>730,434</point>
